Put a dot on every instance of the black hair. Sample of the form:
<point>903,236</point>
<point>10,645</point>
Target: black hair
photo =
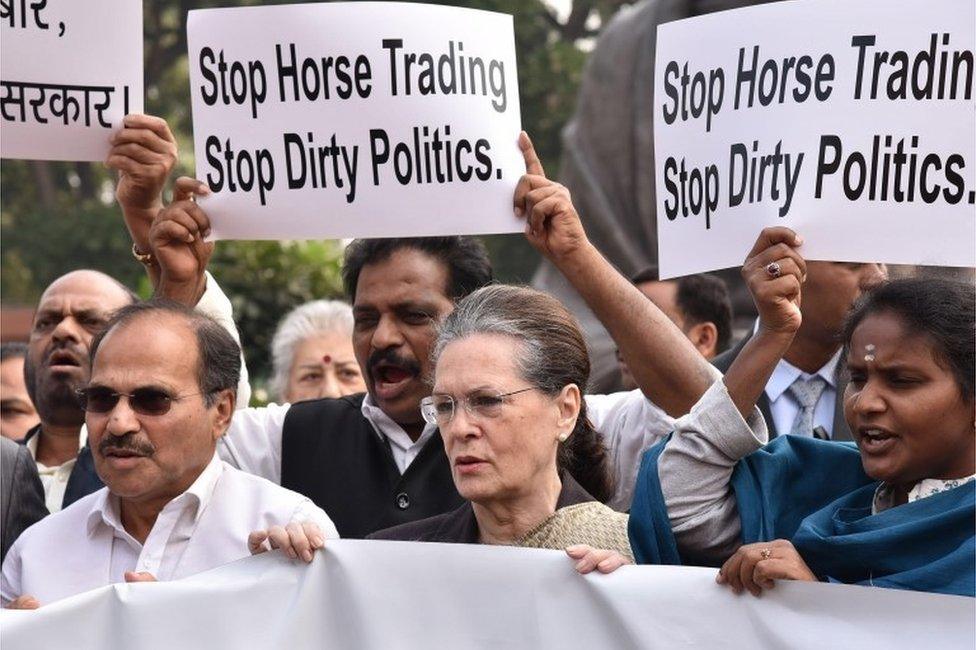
<point>944,310</point>
<point>701,298</point>
<point>466,259</point>
<point>13,350</point>
<point>704,298</point>
<point>219,360</point>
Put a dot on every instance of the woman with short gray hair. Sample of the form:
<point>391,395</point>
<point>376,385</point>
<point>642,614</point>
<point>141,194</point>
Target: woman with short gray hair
<point>312,353</point>
<point>510,367</point>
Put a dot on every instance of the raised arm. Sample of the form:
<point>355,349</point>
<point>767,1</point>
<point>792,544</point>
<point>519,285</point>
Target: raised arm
<point>664,363</point>
<point>176,240</point>
<point>773,271</point>
<point>143,153</point>
<point>695,467</point>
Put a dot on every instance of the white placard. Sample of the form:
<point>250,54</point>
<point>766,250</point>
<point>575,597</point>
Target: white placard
<point>851,122</point>
<point>366,119</point>
<point>70,71</point>
<point>366,595</point>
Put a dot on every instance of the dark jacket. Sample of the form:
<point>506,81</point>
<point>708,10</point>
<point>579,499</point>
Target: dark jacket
<point>83,480</point>
<point>460,526</point>
<point>331,454</point>
<point>21,493</point>
<point>839,430</point>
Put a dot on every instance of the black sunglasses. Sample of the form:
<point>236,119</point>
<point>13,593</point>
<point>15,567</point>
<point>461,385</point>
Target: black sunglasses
<point>145,401</point>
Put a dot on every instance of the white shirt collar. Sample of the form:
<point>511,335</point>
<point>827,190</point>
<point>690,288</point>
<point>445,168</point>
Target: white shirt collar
<point>786,373</point>
<point>105,509</point>
<point>32,443</point>
<point>385,427</point>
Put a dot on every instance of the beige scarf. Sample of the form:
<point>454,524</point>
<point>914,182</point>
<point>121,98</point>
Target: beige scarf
<point>589,523</point>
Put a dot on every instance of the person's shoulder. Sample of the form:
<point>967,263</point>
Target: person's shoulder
<point>70,521</point>
<point>8,447</point>
<point>422,530</point>
<point>243,486</point>
<point>328,406</point>
<point>806,445</point>
<point>630,400</point>
<point>11,454</point>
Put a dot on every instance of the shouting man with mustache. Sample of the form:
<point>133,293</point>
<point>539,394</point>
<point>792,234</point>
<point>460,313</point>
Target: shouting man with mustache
<point>369,460</point>
<point>71,311</point>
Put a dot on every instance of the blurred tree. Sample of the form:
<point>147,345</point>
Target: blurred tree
<point>266,279</point>
<point>55,217</point>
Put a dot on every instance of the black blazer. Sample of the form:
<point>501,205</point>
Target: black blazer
<point>460,526</point>
<point>21,493</point>
<point>83,480</point>
<point>839,430</point>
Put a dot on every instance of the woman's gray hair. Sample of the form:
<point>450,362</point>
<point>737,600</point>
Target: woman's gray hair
<point>495,310</point>
<point>310,319</point>
<point>552,355</point>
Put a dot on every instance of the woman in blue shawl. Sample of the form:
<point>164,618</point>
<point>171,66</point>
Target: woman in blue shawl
<point>897,510</point>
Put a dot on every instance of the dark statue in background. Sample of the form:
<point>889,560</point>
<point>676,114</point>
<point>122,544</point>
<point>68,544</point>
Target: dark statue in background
<point>608,163</point>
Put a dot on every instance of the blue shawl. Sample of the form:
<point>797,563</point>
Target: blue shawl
<point>815,493</point>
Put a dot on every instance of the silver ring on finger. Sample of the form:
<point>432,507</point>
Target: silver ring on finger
<point>774,270</point>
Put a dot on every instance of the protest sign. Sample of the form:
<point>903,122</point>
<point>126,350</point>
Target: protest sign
<point>70,71</point>
<point>355,120</point>
<point>852,123</point>
<point>365,594</point>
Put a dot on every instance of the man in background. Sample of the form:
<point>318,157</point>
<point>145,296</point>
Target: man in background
<point>698,304</point>
<point>17,413</point>
<point>72,310</point>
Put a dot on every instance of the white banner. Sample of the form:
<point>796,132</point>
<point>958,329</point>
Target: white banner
<point>363,595</point>
<point>366,119</point>
<point>70,71</point>
<point>850,122</point>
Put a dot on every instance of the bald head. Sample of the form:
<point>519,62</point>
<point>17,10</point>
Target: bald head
<point>94,283</point>
<point>71,311</point>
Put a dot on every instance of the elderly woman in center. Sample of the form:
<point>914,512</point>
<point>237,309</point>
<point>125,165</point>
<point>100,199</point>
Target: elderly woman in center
<point>312,353</point>
<point>510,365</point>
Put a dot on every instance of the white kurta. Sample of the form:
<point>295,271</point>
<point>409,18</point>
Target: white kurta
<point>85,546</point>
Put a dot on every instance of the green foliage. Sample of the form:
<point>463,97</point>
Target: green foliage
<point>51,223</point>
<point>57,217</point>
<point>265,280</point>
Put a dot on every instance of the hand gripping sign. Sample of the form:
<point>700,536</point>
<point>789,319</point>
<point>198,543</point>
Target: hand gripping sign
<point>69,72</point>
<point>850,123</point>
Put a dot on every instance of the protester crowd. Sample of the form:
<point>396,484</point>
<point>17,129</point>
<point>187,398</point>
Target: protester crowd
<point>834,442</point>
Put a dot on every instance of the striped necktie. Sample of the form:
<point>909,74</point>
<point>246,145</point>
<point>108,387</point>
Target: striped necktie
<point>807,392</point>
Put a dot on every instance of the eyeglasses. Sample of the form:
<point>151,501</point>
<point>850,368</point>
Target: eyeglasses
<point>145,401</point>
<point>439,409</point>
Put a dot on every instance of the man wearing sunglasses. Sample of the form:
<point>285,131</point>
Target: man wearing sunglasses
<point>77,305</point>
<point>161,394</point>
